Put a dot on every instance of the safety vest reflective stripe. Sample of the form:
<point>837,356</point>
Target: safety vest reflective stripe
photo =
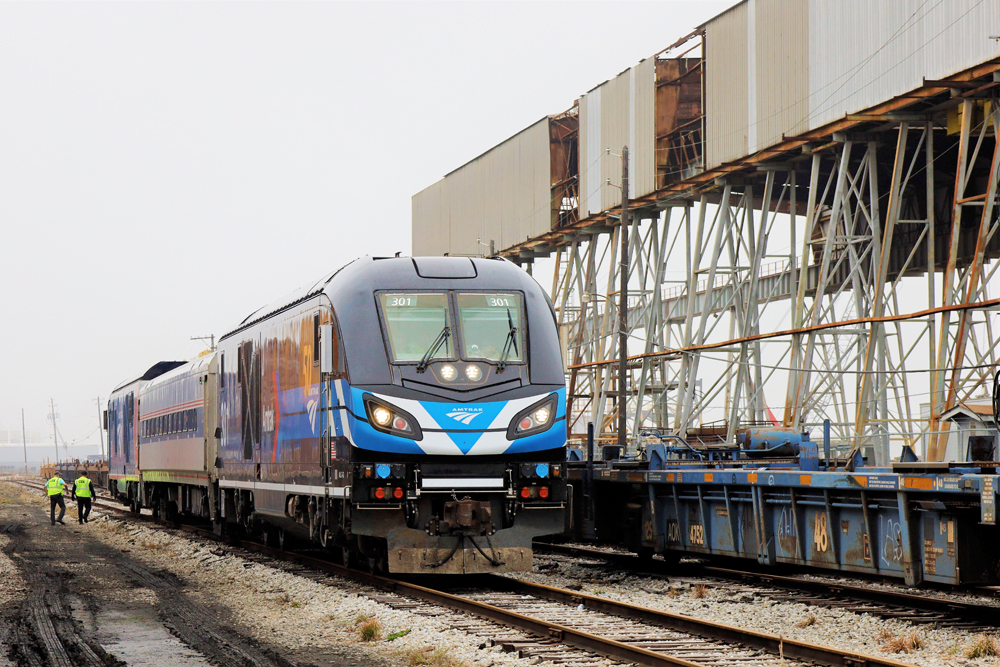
<point>54,486</point>
<point>83,487</point>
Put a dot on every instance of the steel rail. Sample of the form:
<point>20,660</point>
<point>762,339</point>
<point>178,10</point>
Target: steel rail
<point>963,610</point>
<point>773,644</point>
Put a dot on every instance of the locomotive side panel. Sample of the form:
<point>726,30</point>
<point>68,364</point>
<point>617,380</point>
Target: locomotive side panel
<point>274,409</point>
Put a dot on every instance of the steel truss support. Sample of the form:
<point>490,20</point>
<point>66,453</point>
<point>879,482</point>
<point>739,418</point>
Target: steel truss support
<point>846,249</point>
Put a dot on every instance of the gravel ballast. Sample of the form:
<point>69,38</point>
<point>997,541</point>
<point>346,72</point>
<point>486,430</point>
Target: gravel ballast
<point>304,619</point>
<point>747,608</point>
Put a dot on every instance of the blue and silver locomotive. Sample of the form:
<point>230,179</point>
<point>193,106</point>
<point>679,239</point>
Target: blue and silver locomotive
<point>407,413</point>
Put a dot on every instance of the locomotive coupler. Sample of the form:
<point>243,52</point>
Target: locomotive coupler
<point>467,517</point>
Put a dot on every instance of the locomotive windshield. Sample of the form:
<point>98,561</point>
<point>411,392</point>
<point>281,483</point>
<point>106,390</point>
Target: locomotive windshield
<point>415,322</point>
<point>422,324</point>
<point>491,327</point>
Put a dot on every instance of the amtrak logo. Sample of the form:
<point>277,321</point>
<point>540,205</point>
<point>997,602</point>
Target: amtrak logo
<point>312,406</point>
<point>465,415</point>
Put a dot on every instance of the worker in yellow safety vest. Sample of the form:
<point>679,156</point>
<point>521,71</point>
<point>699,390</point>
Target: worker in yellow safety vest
<point>54,488</point>
<point>84,491</point>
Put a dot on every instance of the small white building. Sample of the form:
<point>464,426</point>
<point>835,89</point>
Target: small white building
<point>969,420</point>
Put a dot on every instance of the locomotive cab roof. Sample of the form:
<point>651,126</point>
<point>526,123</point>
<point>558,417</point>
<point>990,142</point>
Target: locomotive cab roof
<point>365,275</point>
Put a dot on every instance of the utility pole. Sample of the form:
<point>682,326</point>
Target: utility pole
<point>24,441</point>
<point>100,425</point>
<point>210,338</point>
<point>55,436</point>
<point>623,308</point>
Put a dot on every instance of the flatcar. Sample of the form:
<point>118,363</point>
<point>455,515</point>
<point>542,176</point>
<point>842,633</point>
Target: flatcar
<point>777,498</point>
<point>406,413</point>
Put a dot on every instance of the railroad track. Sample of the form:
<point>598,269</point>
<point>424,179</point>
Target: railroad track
<point>897,605</point>
<point>557,625</point>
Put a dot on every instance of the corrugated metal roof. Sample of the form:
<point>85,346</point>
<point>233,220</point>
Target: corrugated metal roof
<point>726,87</point>
<point>861,55</point>
<point>782,67</point>
<point>619,112</point>
<point>503,195</point>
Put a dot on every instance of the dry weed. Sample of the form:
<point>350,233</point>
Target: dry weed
<point>371,630</point>
<point>807,621</point>
<point>904,643</point>
<point>983,646</point>
<point>433,657</point>
<point>699,591</point>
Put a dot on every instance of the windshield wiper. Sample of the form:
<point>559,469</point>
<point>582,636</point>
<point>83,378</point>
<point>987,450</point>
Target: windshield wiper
<point>511,342</point>
<point>438,342</point>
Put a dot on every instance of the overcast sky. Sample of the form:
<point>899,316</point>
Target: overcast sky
<point>166,168</point>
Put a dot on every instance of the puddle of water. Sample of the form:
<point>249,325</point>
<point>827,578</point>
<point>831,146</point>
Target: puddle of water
<point>139,639</point>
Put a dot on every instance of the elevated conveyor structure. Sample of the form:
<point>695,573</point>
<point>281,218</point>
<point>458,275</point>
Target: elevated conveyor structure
<point>813,227</point>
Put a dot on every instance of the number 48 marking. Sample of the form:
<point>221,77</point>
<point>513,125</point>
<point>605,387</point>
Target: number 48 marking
<point>821,538</point>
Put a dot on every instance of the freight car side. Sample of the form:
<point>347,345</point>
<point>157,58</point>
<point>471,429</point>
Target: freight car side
<point>914,521</point>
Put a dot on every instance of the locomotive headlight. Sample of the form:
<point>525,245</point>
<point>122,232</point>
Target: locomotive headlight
<point>381,416</point>
<point>387,418</point>
<point>535,419</point>
<point>448,373</point>
<point>473,372</point>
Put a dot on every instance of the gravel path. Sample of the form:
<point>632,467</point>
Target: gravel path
<point>834,627</point>
<point>309,623</point>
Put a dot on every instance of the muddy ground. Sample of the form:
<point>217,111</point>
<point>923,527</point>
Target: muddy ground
<point>67,599</point>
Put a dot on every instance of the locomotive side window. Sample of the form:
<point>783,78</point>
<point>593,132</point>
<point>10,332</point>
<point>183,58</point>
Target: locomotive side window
<point>249,380</point>
<point>491,326</point>
<point>417,323</point>
<point>316,337</point>
<point>339,362</point>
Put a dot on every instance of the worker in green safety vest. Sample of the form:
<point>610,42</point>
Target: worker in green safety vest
<point>54,489</point>
<point>84,491</point>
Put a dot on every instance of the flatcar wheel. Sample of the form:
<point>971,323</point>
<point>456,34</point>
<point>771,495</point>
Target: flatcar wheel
<point>348,557</point>
<point>378,566</point>
<point>282,539</point>
<point>645,555</point>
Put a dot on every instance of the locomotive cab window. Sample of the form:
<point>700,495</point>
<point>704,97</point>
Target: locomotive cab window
<point>418,324</point>
<point>492,326</point>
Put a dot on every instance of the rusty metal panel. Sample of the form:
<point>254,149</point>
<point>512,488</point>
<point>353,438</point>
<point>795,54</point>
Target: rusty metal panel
<point>862,54</point>
<point>503,195</point>
<point>726,87</point>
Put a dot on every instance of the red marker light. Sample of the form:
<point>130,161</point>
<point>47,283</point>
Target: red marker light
<point>543,492</point>
<point>525,492</point>
<point>400,424</point>
<point>525,424</point>
<point>380,493</point>
<point>397,492</point>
